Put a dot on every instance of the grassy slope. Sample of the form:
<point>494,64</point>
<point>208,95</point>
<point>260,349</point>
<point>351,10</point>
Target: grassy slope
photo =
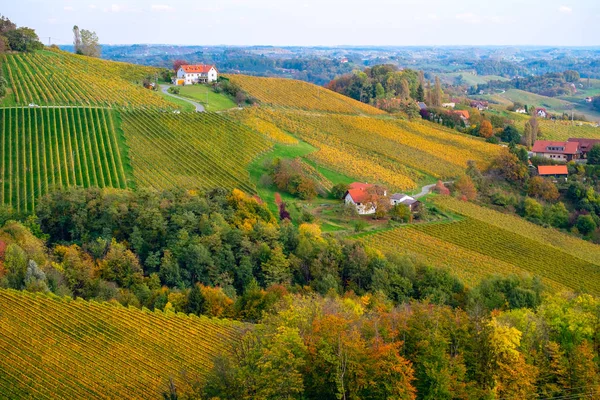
<point>203,94</point>
<point>59,348</point>
<point>485,242</point>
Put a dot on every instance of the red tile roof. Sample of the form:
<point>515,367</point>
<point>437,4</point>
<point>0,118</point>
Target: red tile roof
<point>553,170</point>
<point>360,192</point>
<point>196,69</point>
<point>585,144</point>
<point>462,113</point>
<point>541,146</point>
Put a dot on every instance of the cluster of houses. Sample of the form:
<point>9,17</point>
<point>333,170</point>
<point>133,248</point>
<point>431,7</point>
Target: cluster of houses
<point>572,149</point>
<point>199,73</point>
<point>365,196</point>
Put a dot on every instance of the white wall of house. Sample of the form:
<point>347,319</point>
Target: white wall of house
<point>399,201</point>
<point>362,209</point>
<point>559,157</point>
<point>194,77</point>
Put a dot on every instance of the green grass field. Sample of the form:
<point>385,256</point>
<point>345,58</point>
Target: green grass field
<point>206,96</point>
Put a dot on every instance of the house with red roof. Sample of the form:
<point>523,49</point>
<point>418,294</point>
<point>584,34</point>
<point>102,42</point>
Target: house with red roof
<point>364,197</point>
<point>200,73</point>
<point>541,112</point>
<point>464,114</point>
<point>559,151</point>
<point>555,171</point>
<point>585,145</point>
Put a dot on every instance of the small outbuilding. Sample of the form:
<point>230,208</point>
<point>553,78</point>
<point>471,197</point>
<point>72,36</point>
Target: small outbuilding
<point>554,171</point>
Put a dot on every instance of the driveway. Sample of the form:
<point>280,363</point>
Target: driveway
<point>165,90</point>
<point>426,189</point>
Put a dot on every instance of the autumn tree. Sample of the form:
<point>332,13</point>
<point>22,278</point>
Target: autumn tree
<point>510,167</point>
<point>437,93</point>
<point>531,132</point>
<point>542,189</point>
<point>178,63</point>
<point>486,130</point>
<point>465,187</point>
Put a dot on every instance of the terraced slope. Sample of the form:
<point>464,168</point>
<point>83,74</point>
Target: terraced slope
<point>291,93</point>
<point>60,78</point>
<point>196,150</point>
<point>59,348</point>
<point>488,242</point>
<point>395,152</point>
<point>45,148</point>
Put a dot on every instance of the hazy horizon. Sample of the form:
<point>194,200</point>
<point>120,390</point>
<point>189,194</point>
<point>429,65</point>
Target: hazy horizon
<point>309,23</point>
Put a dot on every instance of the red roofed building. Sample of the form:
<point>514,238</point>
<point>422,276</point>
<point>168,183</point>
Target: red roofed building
<point>464,114</point>
<point>557,171</point>
<point>560,151</point>
<point>585,145</point>
<point>363,196</point>
<point>201,73</point>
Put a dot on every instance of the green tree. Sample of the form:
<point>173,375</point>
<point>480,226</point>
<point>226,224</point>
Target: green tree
<point>379,91</point>
<point>557,215</point>
<point>120,265</point>
<point>400,212</point>
<point>585,224</point>
<point>533,210</point>
<point>593,155</point>
<point>24,39</point>
<point>277,269</point>
<point>420,93</point>
<point>510,134</point>
<point>90,45</point>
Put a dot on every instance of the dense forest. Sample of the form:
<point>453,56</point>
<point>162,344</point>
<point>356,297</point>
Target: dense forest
<point>337,319</point>
<point>550,84</point>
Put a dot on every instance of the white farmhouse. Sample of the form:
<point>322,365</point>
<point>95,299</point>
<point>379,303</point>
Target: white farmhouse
<point>364,197</point>
<point>201,73</point>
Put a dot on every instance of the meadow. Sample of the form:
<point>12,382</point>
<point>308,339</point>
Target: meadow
<point>62,348</point>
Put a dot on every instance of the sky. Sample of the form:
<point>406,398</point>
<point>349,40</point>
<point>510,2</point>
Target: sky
<point>315,22</point>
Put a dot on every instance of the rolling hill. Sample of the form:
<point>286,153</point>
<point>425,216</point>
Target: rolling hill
<point>61,348</point>
<point>280,92</point>
<point>488,242</point>
<point>53,77</point>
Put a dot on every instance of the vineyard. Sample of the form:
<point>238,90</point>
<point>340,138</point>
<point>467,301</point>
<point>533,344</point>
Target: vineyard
<point>61,348</point>
<point>487,242</point>
<point>397,153</point>
<point>59,78</point>
<point>562,130</point>
<point>301,95</point>
<point>45,148</point>
<point>196,150</point>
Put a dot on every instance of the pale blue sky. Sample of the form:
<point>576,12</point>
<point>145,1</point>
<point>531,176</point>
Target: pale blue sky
<point>312,22</point>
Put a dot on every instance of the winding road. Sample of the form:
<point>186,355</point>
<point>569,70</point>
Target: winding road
<point>426,189</point>
<point>165,90</point>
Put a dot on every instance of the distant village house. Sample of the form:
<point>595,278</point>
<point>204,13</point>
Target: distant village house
<point>201,73</point>
<point>541,112</point>
<point>559,151</point>
<point>480,105</point>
